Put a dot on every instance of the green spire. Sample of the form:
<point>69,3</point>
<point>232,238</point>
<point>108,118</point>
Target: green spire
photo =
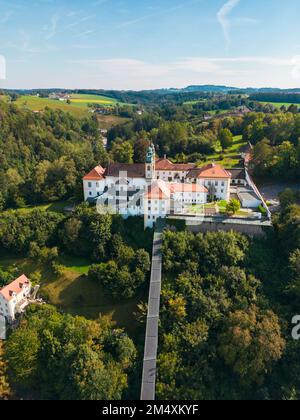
<point>150,154</point>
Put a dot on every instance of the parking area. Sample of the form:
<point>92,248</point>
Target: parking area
<point>271,191</point>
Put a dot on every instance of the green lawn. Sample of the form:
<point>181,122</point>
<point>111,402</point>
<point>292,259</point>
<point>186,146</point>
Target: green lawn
<point>198,208</point>
<point>75,293</point>
<point>229,158</point>
<point>76,264</point>
<point>57,207</point>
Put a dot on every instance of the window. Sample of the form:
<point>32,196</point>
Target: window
<point>97,184</point>
<point>90,185</point>
<point>90,194</point>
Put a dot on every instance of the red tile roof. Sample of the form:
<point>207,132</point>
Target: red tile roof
<point>167,165</point>
<point>210,171</point>
<point>97,174</point>
<point>137,170</point>
<point>14,287</point>
<point>159,190</point>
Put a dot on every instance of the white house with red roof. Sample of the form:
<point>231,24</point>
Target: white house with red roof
<point>14,298</point>
<point>140,184</point>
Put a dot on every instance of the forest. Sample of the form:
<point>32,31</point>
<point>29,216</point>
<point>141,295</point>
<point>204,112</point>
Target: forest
<point>227,306</point>
<point>120,262</point>
<point>44,156</point>
<point>60,357</point>
<point>80,358</point>
<point>291,98</point>
<point>227,300</point>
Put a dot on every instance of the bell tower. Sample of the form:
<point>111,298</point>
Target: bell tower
<point>150,163</point>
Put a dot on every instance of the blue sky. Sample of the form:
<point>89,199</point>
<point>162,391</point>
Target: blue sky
<point>145,44</point>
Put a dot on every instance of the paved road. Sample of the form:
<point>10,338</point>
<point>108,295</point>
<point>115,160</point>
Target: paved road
<point>151,341</point>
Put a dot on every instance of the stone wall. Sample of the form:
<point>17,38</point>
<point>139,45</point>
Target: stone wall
<point>253,230</point>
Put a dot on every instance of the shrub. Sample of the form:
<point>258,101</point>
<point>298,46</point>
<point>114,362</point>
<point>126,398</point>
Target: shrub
<point>233,206</point>
<point>262,210</point>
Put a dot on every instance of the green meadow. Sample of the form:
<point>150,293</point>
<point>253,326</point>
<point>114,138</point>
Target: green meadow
<point>78,106</point>
<point>229,158</point>
<point>72,291</point>
<point>280,104</point>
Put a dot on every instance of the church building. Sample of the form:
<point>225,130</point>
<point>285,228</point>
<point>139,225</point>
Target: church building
<point>156,188</point>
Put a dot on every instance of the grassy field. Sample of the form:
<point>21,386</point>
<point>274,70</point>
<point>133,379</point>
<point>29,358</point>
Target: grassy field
<point>231,157</point>
<point>79,105</point>
<point>57,207</point>
<point>280,104</point>
<point>108,121</point>
<point>195,102</point>
<point>75,293</point>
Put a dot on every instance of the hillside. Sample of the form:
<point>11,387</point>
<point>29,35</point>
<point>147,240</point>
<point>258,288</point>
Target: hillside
<point>77,106</point>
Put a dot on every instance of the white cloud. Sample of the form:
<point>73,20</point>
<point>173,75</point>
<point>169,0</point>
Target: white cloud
<point>224,17</point>
<point>51,29</point>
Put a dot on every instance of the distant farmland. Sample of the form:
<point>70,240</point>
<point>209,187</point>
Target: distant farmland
<point>279,104</point>
<point>79,103</point>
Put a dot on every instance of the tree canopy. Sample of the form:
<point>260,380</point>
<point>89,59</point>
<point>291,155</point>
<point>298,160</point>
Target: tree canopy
<point>57,356</point>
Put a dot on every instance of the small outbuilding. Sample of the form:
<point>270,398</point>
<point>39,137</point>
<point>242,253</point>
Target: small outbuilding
<point>248,198</point>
